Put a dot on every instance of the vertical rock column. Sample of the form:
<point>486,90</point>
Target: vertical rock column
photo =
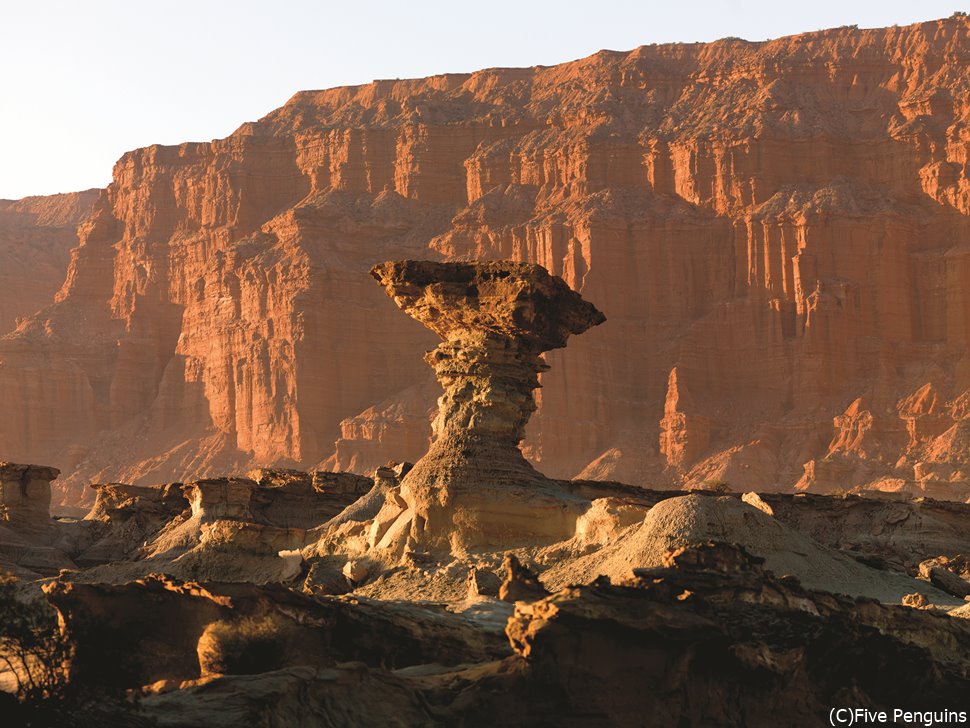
<point>495,318</point>
<point>25,497</point>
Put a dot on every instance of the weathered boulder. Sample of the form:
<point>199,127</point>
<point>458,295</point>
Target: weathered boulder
<point>520,583</point>
<point>947,574</point>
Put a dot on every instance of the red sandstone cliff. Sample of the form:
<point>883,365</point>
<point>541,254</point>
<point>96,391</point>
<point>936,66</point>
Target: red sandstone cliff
<point>36,237</point>
<point>777,233</point>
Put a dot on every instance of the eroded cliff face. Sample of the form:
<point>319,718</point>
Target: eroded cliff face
<point>775,231</point>
<point>36,237</point>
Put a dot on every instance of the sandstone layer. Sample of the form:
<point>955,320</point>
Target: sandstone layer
<point>776,232</point>
<point>36,238</point>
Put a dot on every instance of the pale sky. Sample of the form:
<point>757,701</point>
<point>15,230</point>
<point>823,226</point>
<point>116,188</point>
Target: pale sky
<point>83,81</point>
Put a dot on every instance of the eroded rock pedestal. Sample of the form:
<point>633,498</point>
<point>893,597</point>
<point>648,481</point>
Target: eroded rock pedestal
<point>496,319</point>
<point>27,531</point>
<point>25,496</point>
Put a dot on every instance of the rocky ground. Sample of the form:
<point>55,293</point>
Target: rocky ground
<point>190,605</point>
<point>469,589</point>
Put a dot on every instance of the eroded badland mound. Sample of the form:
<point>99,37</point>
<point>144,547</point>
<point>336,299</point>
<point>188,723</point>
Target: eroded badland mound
<point>775,231</point>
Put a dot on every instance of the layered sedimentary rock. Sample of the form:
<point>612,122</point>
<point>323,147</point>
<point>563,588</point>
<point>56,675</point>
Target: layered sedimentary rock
<point>496,319</point>
<point>164,629</point>
<point>25,497</point>
<point>27,531</point>
<point>925,429</point>
<point>122,521</point>
<point>888,531</point>
<point>680,522</point>
<point>707,638</point>
<point>36,237</point>
<point>223,529</point>
<point>775,228</point>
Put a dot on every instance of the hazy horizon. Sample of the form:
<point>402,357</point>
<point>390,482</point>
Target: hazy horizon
<point>87,83</point>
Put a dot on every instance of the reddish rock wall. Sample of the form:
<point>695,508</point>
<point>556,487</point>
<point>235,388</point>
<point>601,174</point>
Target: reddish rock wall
<point>36,237</point>
<point>784,223</point>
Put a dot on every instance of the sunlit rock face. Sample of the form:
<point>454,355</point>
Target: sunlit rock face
<point>495,319</point>
<point>36,237</point>
<point>780,222</point>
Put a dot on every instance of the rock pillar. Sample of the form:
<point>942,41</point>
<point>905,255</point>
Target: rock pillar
<point>25,496</point>
<point>495,319</point>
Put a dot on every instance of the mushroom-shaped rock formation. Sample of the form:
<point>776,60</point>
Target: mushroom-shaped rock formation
<point>474,487</point>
